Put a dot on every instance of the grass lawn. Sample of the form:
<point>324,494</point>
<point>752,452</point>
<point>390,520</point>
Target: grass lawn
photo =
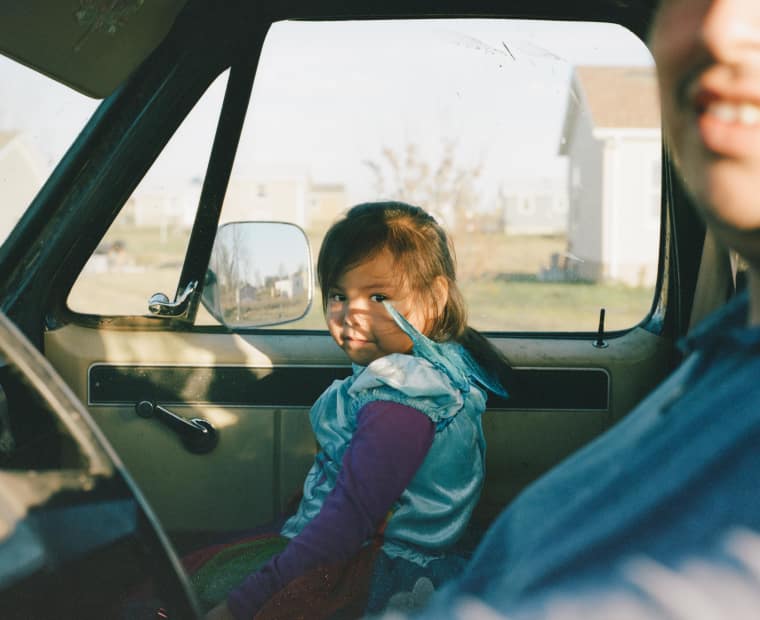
<point>537,306</point>
<point>543,306</point>
<point>496,272</point>
<point>497,304</point>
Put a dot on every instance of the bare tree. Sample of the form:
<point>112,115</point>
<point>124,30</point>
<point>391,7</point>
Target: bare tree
<point>228,261</point>
<point>444,188</point>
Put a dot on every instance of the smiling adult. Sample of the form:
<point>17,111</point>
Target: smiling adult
<point>660,517</point>
<point>708,64</point>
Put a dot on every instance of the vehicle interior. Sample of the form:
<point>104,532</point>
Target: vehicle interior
<point>208,412</point>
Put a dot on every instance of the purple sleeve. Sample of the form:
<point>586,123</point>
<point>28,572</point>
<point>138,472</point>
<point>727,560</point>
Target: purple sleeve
<point>386,450</point>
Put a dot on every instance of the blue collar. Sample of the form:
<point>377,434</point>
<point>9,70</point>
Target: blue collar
<point>440,354</point>
<point>725,326</point>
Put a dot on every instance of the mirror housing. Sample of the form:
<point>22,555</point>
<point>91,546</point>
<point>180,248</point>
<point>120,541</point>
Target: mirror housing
<point>260,273</point>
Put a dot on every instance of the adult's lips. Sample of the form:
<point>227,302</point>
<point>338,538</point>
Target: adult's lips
<point>728,120</point>
<point>728,108</point>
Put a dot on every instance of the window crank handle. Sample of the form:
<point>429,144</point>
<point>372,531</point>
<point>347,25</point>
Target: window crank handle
<point>197,434</point>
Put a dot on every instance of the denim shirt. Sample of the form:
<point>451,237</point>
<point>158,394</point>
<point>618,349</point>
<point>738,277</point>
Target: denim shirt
<point>667,489</point>
<point>442,381</point>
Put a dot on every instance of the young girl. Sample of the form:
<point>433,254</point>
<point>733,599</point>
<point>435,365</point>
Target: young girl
<point>401,459</point>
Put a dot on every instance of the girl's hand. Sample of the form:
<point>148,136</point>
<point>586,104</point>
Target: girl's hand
<point>220,612</point>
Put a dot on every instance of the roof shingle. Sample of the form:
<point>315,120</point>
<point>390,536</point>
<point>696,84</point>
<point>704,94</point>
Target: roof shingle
<point>621,97</point>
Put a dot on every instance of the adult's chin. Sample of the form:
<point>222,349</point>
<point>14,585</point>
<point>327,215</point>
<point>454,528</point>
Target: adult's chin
<point>744,238</point>
<point>728,194</point>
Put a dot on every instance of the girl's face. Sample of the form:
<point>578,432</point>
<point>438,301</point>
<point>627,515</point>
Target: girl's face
<point>356,317</point>
<point>708,62</point>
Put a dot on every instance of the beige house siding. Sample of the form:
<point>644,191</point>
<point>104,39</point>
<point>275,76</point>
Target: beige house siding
<point>280,197</point>
<point>262,199</point>
<point>21,178</point>
<point>328,202</point>
<point>161,208</point>
<point>290,199</point>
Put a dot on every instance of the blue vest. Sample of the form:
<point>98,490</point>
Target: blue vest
<point>442,381</point>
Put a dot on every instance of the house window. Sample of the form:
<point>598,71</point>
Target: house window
<point>527,206</point>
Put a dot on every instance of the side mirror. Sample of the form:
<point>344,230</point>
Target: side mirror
<point>260,273</point>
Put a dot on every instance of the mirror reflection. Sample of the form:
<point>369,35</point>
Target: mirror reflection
<point>259,274</point>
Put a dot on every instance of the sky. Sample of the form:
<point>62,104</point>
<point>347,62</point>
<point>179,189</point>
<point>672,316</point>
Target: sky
<point>329,96</point>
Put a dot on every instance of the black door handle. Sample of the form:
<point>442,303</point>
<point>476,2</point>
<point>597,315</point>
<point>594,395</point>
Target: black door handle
<point>197,435</point>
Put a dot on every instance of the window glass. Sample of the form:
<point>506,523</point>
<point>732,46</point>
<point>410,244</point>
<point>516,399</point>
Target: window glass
<point>655,184</point>
<point>532,142</point>
<point>39,119</point>
<point>144,249</point>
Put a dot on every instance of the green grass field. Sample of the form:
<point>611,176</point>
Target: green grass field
<point>537,306</point>
<point>495,302</point>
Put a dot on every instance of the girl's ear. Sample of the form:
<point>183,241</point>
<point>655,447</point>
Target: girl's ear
<point>440,294</point>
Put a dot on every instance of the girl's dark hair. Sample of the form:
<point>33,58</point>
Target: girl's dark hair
<point>423,252</point>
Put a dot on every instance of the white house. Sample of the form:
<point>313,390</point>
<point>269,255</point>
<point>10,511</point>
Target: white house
<point>164,207</point>
<point>272,193</point>
<point>611,137</point>
<point>21,176</point>
<point>534,206</point>
<point>280,193</point>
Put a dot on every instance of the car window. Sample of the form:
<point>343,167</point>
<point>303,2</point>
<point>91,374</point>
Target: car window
<point>536,144</point>
<point>39,119</point>
<point>144,249</point>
